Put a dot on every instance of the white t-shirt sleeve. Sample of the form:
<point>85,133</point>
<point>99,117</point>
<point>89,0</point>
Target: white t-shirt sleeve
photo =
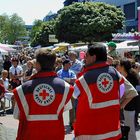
<point>16,112</point>
<point>76,92</point>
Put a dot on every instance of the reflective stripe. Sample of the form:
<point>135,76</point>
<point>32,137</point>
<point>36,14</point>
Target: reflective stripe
<point>42,117</point>
<point>105,104</point>
<point>66,91</point>
<point>90,98</point>
<point>87,90</point>
<point>23,100</point>
<point>100,136</point>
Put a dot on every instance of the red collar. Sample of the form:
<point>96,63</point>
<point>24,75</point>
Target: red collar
<point>96,65</point>
<point>43,74</point>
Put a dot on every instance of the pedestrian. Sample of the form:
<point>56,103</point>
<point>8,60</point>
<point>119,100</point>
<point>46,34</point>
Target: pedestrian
<point>69,76</point>
<point>112,50</point>
<point>41,101</point>
<point>15,73</point>
<point>130,74</point>
<point>2,100</point>
<point>97,91</point>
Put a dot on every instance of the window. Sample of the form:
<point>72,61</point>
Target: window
<point>129,10</point>
<point>138,1</point>
<point>130,28</point>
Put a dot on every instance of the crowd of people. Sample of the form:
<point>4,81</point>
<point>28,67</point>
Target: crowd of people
<point>100,92</point>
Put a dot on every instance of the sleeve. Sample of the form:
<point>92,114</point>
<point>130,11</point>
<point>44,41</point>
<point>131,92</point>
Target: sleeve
<point>16,112</point>
<point>76,92</point>
<point>73,75</point>
<point>10,70</point>
<point>21,69</point>
<point>71,90</point>
<point>130,91</point>
<point>121,78</point>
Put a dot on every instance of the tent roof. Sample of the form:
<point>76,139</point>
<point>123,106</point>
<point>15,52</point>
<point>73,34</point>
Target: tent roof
<point>3,52</point>
<point>6,48</point>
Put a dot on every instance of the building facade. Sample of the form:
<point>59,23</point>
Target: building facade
<point>129,7</point>
<point>50,16</point>
<point>130,10</point>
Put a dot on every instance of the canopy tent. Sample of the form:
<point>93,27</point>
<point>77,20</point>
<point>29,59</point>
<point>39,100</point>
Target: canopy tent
<point>7,48</point>
<point>61,44</point>
<point>3,52</point>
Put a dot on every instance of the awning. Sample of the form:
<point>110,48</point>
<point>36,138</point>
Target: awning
<point>3,52</point>
<point>6,48</point>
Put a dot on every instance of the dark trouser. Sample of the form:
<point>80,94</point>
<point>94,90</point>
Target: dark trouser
<point>15,83</point>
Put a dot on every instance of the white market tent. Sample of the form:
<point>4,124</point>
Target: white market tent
<point>125,47</point>
<point>3,52</point>
<point>7,48</point>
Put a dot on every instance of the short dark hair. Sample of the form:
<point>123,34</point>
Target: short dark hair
<point>98,49</point>
<point>46,58</point>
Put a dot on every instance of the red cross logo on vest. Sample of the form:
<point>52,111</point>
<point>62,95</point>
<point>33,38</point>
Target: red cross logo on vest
<point>105,82</point>
<point>44,94</point>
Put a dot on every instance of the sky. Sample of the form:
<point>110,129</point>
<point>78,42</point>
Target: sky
<point>29,10</point>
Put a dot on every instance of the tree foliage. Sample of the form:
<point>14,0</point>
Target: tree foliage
<point>36,27</point>
<point>11,28</point>
<point>90,21</point>
<point>42,32</point>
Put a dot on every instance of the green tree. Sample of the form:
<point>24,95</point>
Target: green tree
<point>90,21</point>
<point>16,28</point>
<point>4,26</point>
<point>36,27</point>
<point>12,28</point>
<point>41,36</point>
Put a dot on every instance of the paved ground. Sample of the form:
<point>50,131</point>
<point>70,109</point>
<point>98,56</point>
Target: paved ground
<point>9,128</point>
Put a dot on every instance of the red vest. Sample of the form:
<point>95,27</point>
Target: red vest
<point>41,103</point>
<point>98,110</point>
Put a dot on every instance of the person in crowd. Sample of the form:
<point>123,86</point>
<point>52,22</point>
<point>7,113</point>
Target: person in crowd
<point>109,60</point>
<point>40,101</point>
<point>2,100</point>
<point>30,70</point>
<point>68,75</point>
<point>137,68</point>
<point>76,64</point>
<point>5,82</point>
<point>7,63</point>
<point>98,99</point>
<point>128,72</point>
<point>112,49</point>
<point>15,73</point>
<point>58,64</point>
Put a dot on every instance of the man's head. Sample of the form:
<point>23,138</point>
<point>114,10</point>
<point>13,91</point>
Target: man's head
<point>111,45</point>
<point>72,55</point>
<point>66,64</point>
<point>96,53</point>
<point>45,59</point>
<point>14,61</point>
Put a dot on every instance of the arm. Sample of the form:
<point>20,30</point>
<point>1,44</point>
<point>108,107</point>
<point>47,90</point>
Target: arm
<point>130,93</point>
